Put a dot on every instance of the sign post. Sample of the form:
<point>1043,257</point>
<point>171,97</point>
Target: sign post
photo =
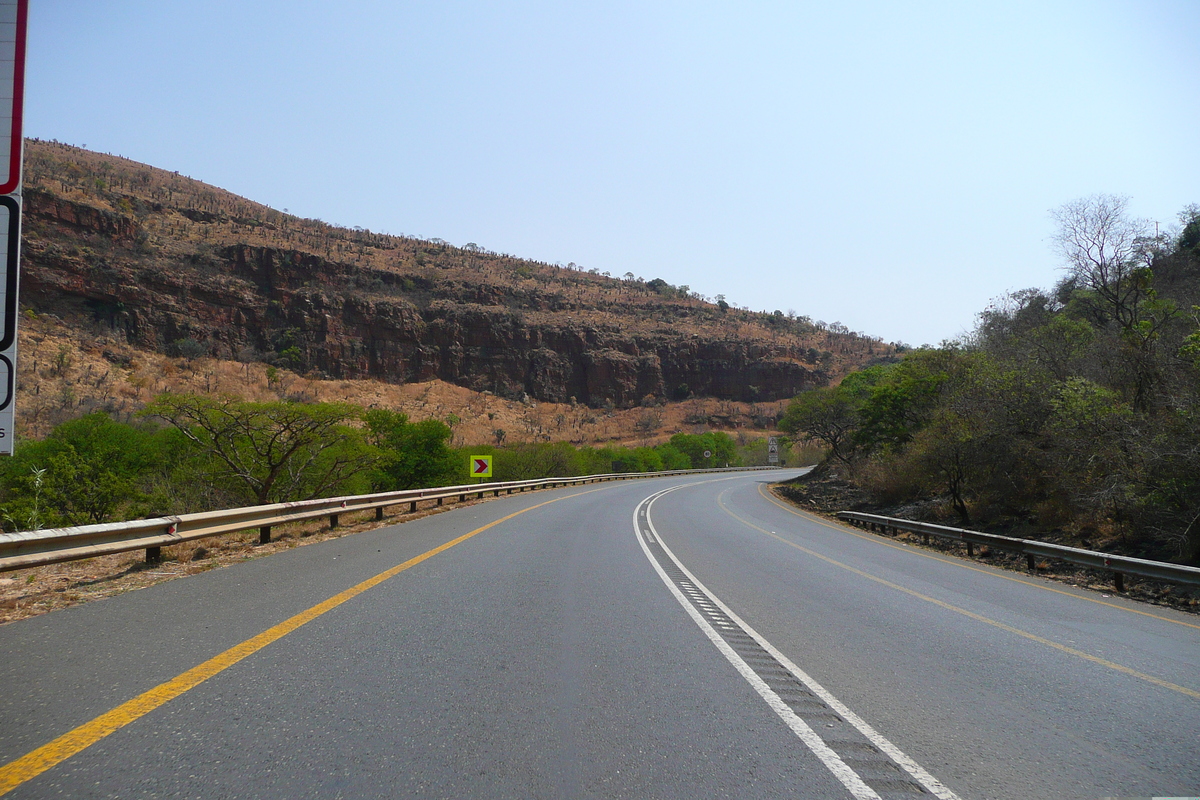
<point>13,16</point>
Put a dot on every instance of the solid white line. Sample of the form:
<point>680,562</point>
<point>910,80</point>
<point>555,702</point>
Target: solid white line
<point>932,784</point>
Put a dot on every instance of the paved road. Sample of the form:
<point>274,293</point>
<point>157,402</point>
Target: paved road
<point>663,638</point>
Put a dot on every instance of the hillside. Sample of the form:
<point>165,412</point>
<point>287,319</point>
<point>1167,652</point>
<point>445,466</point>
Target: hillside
<point>124,255</point>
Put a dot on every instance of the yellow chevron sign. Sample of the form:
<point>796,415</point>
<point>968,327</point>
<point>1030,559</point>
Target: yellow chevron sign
<point>480,466</point>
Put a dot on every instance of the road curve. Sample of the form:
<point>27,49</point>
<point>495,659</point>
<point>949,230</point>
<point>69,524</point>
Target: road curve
<point>614,640</point>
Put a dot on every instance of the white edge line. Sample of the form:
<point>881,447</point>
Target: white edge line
<point>931,783</point>
<point>848,777</point>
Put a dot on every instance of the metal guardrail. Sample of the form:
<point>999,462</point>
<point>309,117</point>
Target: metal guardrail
<point>53,545</point>
<point>1120,566</point>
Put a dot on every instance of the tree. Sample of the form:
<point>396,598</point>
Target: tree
<point>1110,259</point>
<point>671,457</point>
<point>828,415</point>
<point>188,349</point>
<point>88,470</point>
<point>274,452</point>
<point>721,446</point>
<point>1104,250</point>
<point>1169,500</point>
<point>647,423</point>
<point>899,399</point>
<point>1098,454</point>
<point>414,455</point>
<point>944,451</point>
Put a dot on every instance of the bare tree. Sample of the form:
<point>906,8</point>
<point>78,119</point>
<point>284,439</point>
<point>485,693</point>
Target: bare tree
<point>1105,252</point>
<point>647,424</point>
<point>1110,257</point>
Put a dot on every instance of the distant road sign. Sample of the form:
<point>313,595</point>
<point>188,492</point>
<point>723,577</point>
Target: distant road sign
<point>708,453</point>
<point>13,14</point>
<point>481,466</point>
<point>772,450</point>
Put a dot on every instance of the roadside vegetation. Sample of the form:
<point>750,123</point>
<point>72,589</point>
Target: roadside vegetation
<point>187,452</point>
<point>1070,413</point>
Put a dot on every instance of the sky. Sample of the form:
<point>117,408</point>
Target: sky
<point>887,165</point>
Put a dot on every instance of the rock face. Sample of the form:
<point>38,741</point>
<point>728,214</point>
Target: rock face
<point>345,321</point>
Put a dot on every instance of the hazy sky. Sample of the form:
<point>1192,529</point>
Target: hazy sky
<point>886,165</point>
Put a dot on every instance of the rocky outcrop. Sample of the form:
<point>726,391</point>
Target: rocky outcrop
<point>312,314</point>
<point>80,217</point>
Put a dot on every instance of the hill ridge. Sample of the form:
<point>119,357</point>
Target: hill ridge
<point>171,264</point>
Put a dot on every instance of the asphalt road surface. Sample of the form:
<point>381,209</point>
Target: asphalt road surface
<point>666,638</point>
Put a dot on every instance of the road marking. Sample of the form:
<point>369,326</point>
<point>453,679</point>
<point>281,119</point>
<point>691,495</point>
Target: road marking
<point>724,617</point>
<point>840,528</point>
<point>977,617</point>
<point>34,763</point>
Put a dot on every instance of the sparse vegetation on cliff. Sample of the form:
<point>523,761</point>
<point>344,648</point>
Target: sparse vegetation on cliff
<point>168,264</point>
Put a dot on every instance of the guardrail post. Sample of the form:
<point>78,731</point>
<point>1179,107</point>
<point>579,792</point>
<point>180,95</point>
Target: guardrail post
<point>379,513</point>
<point>264,534</point>
<point>153,555</point>
<point>412,507</point>
<point>440,499</point>
<point>970,549</point>
<point>462,498</point>
<point>1119,581</point>
<point>1029,562</point>
<point>333,520</point>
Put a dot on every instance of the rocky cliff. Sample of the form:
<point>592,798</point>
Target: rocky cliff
<point>171,265</point>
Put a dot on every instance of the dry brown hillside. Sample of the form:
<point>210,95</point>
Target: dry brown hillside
<point>138,280</point>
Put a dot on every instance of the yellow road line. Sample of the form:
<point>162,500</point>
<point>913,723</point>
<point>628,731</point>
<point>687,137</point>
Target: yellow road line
<point>29,766</point>
<point>843,528</point>
<point>971,614</point>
